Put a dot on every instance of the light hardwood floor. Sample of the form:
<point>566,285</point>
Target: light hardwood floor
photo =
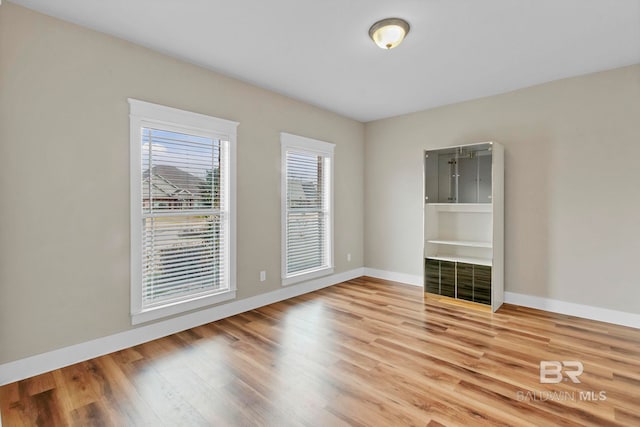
<point>364,353</point>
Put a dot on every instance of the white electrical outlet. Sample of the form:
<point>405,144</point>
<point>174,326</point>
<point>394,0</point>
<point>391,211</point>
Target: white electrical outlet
<point>348,257</point>
<point>263,276</point>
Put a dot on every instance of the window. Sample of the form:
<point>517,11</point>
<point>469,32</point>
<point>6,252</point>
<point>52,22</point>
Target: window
<point>307,212</point>
<point>182,210</point>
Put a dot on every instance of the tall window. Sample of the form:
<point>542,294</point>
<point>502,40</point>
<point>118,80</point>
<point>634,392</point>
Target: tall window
<point>182,210</point>
<point>307,208</point>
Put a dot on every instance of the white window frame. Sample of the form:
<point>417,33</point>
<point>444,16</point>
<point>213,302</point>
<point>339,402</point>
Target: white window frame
<point>301,144</point>
<point>145,114</point>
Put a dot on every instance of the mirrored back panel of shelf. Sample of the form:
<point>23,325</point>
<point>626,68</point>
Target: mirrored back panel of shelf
<point>459,174</point>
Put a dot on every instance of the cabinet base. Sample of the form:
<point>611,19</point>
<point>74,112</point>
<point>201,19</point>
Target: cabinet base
<point>458,302</point>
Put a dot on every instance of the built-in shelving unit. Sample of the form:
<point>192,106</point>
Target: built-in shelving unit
<point>464,223</point>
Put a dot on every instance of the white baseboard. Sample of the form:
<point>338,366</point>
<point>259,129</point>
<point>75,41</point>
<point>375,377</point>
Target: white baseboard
<point>579,310</point>
<point>55,359</point>
<point>547,304</point>
<point>408,279</point>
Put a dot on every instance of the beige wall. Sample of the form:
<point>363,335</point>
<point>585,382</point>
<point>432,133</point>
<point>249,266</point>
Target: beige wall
<point>572,185</point>
<point>64,175</point>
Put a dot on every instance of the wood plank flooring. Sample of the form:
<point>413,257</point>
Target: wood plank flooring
<point>363,353</point>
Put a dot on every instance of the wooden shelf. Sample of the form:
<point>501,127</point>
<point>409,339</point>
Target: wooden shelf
<point>459,302</point>
<point>466,243</point>
<point>468,260</point>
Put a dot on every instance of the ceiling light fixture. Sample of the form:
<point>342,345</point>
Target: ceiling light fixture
<point>389,33</point>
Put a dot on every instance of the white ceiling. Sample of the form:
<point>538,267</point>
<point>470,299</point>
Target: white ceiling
<point>319,51</point>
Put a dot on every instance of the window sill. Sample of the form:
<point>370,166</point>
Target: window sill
<point>180,307</point>
<point>303,277</point>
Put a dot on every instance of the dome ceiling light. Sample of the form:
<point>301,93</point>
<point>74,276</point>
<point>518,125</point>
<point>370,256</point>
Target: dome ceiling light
<point>389,33</point>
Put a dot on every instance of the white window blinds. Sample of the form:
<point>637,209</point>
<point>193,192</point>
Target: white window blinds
<point>307,208</point>
<point>182,210</point>
<point>184,215</point>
